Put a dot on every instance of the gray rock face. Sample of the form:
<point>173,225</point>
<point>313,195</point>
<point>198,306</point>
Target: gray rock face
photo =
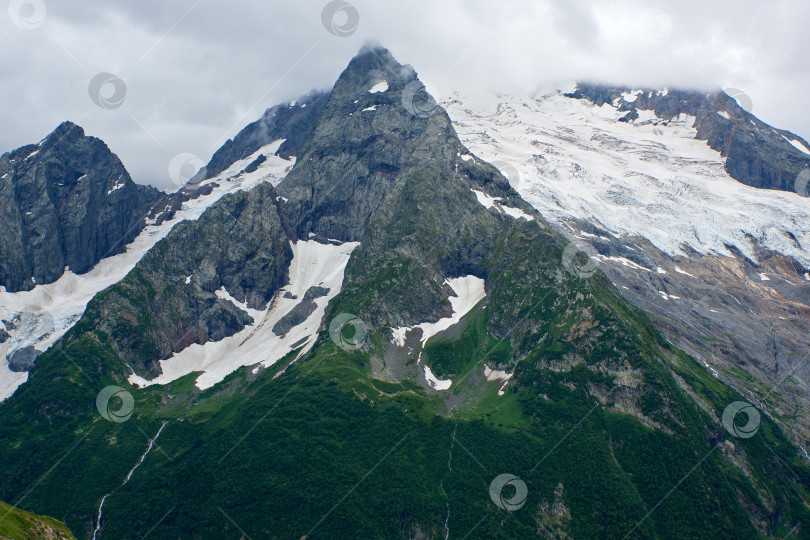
<point>291,122</point>
<point>168,301</point>
<point>721,311</point>
<point>390,178</point>
<point>23,359</point>
<point>385,168</point>
<point>366,144</point>
<point>66,202</point>
<point>756,154</point>
<point>301,312</point>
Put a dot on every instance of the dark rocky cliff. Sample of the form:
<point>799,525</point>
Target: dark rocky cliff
<point>293,122</point>
<point>65,202</point>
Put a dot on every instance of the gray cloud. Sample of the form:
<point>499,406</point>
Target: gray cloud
<point>197,71</point>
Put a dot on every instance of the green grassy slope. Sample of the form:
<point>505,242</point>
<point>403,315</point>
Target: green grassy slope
<point>329,449</point>
<point>16,524</point>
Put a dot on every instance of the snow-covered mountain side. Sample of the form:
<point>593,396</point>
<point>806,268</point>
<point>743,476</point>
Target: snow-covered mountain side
<point>722,266</point>
<point>755,153</point>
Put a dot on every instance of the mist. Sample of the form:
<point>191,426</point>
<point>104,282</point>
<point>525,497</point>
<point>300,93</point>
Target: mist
<point>156,79</point>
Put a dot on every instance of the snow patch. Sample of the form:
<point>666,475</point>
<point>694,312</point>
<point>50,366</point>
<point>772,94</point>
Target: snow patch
<point>485,199</point>
<point>435,382</point>
<point>372,108</point>
<point>624,261</point>
<point>684,272</point>
<point>118,185</point>
<point>379,87</point>
<point>225,295</point>
<point>797,145</point>
<point>494,202</point>
<point>515,212</point>
<point>724,114</point>
<point>631,97</point>
<point>313,264</point>
<point>399,335</point>
<point>469,291</point>
<point>710,368</point>
<point>497,375</point>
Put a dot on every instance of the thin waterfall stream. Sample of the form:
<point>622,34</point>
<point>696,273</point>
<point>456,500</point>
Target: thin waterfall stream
<point>101,506</point>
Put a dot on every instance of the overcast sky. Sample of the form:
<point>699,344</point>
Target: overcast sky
<point>196,71</point>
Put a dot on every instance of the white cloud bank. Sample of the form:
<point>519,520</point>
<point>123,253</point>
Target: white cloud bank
<point>197,71</point>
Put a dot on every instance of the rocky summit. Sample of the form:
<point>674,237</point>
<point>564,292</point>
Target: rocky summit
<point>66,202</point>
<point>352,309</point>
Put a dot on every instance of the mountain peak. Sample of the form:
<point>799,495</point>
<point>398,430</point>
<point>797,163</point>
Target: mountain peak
<point>65,128</point>
<point>374,47</point>
<point>374,64</point>
<point>66,202</point>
